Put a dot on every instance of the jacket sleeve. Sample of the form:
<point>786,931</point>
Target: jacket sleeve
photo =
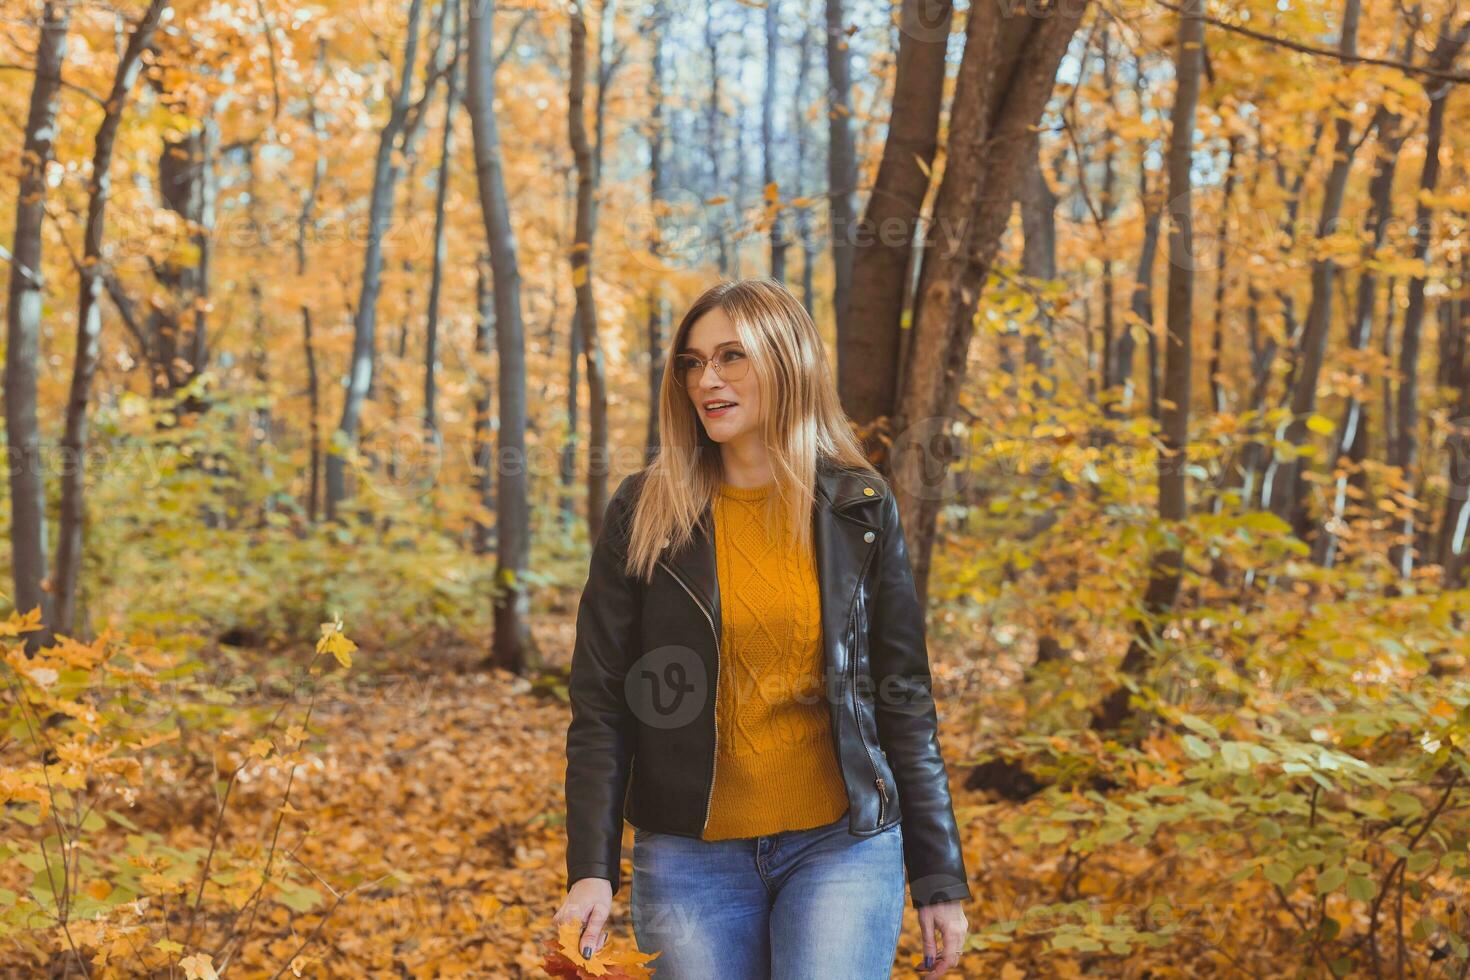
<point>600,737</point>
<point>908,726</point>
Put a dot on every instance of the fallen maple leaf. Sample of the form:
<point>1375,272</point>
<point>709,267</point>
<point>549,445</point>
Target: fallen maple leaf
<point>564,959</point>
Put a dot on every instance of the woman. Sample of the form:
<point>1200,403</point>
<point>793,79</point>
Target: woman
<point>750,683</point>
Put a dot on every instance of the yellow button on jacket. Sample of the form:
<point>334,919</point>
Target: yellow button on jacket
<point>776,765</point>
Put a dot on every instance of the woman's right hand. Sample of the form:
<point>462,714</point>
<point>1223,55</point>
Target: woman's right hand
<point>589,903</point>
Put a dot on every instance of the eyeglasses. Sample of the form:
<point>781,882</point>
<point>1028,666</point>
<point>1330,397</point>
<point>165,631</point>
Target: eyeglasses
<point>731,364</point>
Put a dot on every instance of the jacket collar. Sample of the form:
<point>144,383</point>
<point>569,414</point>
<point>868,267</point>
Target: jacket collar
<point>846,510</point>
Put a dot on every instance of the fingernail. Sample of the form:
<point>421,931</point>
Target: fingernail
<point>928,961</point>
<point>586,952</point>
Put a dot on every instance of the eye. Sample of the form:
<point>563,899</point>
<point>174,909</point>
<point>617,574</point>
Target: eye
<point>731,354</point>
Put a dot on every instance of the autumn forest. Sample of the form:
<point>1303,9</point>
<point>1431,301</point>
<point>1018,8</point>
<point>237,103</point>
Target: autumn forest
<point>331,327</point>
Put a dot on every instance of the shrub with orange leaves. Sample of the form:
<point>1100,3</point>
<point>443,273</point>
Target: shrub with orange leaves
<point>101,735</point>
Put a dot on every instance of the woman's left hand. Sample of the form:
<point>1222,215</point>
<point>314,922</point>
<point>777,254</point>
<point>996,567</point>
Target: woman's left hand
<point>949,919</point>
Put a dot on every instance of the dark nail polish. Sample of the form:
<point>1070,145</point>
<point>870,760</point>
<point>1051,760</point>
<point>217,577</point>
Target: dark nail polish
<point>928,962</point>
<point>586,952</point>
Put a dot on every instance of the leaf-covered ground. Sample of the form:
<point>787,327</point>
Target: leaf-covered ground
<point>406,817</point>
<point>447,783</point>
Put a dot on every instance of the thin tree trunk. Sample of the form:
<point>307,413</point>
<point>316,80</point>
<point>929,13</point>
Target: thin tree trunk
<point>1406,445</point>
<point>514,647</point>
<point>1103,216</point>
<point>586,230</point>
<point>1039,264</point>
<point>23,334</point>
<point>484,441</point>
<point>841,174</point>
<point>70,543</point>
<point>1258,470</point>
<point>186,184</point>
<point>1039,261</point>
<point>712,135</point>
<point>804,214</point>
<point>567,464</point>
<point>1455,525</point>
<point>658,181</point>
<point>1222,281</point>
<point>771,189</point>
<point>1166,566</point>
<point>1288,487</point>
<point>1352,434</point>
<point>304,221</point>
<point>441,197</point>
<point>484,481</point>
<point>1141,301</point>
<point>380,210</point>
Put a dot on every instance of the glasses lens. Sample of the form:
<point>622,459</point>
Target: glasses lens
<point>687,369</point>
<point>733,364</point>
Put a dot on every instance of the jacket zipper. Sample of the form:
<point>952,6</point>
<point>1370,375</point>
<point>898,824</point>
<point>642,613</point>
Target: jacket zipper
<point>715,760</point>
<point>856,712</point>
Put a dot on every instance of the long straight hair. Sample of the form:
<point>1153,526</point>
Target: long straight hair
<point>802,422</point>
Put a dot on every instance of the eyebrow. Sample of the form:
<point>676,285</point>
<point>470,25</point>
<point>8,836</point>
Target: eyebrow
<point>686,349</point>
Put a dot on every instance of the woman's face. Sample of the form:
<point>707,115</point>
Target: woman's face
<point>713,338</point>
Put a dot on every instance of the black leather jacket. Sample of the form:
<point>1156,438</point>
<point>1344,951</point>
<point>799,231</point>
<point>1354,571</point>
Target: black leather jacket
<point>641,742</point>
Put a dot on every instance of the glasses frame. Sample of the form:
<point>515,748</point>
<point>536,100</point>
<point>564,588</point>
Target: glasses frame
<point>704,361</point>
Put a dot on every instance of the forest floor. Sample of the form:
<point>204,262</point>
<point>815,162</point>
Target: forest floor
<point>450,779</point>
<point>425,821</point>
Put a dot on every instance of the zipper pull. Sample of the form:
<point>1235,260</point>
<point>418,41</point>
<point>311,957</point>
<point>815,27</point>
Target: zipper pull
<point>882,798</point>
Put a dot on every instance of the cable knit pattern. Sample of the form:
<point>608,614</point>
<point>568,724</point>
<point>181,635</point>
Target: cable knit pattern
<point>777,766</point>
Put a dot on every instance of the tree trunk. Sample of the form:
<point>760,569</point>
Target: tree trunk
<point>1222,281</point>
<point>586,229</point>
<point>380,210</point>
<point>89,322</point>
<point>1288,487</point>
<point>712,136</point>
<point>514,647</point>
<point>1142,300</point>
<point>187,184</point>
<point>1039,260</point>
<point>1406,444</point>
<point>1005,79</point>
<point>1455,525</point>
<point>804,214</point>
<point>484,481</point>
<point>441,196</point>
<point>23,334</point>
<point>304,221</point>
<point>657,193</point>
<point>841,174</point>
<point>1352,435</point>
<point>771,188</point>
<point>658,181</point>
<point>1167,563</point>
<point>867,377</point>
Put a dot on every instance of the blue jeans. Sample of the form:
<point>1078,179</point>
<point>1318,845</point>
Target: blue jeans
<point>797,905</point>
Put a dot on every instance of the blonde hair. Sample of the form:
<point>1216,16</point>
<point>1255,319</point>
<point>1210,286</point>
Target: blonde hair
<point>803,421</point>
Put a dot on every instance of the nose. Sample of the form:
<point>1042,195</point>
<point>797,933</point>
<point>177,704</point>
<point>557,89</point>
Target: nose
<point>708,373</point>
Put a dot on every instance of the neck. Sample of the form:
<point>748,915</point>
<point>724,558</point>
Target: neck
<point>745,462</point>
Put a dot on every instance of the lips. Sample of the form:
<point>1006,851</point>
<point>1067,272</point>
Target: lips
<point>721,410</point>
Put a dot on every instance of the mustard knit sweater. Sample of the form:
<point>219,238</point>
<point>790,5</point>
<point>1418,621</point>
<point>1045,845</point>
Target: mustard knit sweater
<point>775,763</point>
